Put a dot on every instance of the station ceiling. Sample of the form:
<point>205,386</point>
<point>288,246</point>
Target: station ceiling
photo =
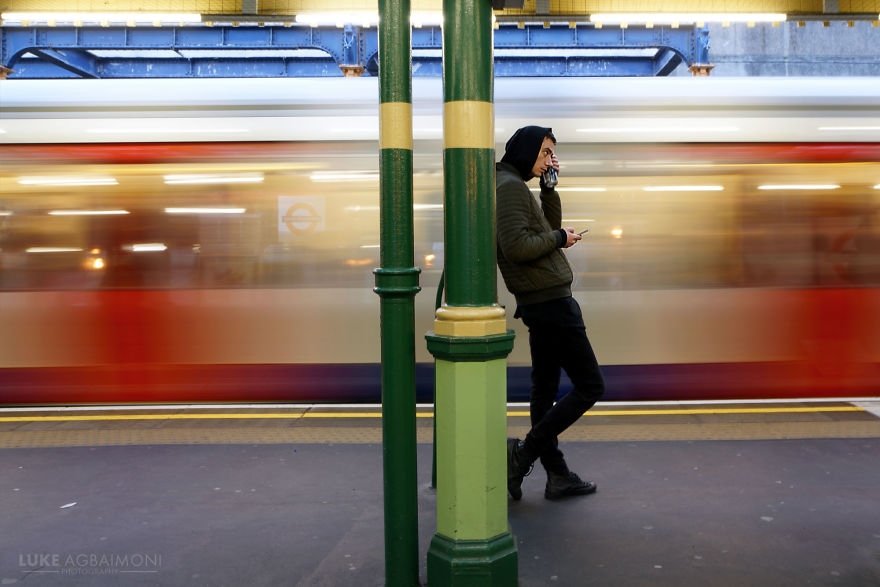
<point>272,38</point>
<point>794,9</point>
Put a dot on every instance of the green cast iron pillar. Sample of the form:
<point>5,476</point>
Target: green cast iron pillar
<point>473,546</point>
<point>397,282</point>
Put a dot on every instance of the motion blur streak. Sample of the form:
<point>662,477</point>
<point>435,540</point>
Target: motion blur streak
<point>262,289</point>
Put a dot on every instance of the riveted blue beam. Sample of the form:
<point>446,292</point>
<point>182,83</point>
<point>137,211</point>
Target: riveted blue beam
<point>588,36</point>
<point>79,63</point>
<point>271,51</point>
<point>211,68</point>
<point>330,39</point>
<point>607,66</point>
<point>666,61</point>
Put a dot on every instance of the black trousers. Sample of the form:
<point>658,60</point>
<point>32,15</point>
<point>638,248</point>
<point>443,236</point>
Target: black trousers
<point>558,341</point>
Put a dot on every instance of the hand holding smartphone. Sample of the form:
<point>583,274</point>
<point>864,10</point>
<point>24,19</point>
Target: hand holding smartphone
<point>550,178</point>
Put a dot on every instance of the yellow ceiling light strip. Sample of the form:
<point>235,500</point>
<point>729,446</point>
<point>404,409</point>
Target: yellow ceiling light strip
<point>671,18</point>
<point>104,18</point>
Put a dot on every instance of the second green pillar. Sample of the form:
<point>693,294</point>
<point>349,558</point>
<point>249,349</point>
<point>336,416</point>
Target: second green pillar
<point>473,546</point>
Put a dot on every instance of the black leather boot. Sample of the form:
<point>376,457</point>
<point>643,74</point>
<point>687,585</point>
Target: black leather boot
<point>518,467</point>
<point>566,484</point>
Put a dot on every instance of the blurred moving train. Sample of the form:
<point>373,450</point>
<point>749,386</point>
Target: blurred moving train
<point>214,240</point>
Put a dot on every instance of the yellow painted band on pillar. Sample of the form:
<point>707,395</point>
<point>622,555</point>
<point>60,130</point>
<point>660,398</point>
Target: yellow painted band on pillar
<point>469,124</point>
<point>395,125</point>
<point>468,321</point>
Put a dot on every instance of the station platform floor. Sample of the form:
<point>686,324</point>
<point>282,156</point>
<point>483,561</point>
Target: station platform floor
<point>745,494</point>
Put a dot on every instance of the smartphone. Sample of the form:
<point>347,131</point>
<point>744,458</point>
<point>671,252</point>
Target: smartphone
<point>584,231</point>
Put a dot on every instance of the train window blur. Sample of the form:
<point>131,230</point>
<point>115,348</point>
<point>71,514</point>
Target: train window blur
<point>286,215</point>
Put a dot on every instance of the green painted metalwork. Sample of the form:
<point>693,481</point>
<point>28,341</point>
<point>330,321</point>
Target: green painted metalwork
<point>472,545</point>
<point>471,491</point>
<point>473,563</point>
<point>397,286</point>
<point>396,217</point>
<point>468,72</point>
<point>475,348</point>
<point>470,227</point>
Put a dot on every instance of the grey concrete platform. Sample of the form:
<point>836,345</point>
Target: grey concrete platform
<point>709,513</point>
<point>712,495</point>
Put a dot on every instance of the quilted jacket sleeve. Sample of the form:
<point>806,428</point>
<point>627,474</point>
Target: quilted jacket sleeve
<point>525,232</point>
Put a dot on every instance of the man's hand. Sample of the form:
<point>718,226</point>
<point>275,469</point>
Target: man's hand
<point>571,237</point>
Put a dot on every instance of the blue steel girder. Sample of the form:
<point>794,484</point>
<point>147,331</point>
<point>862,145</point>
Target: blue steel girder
<point>270,51</point>
<point>78,63</point>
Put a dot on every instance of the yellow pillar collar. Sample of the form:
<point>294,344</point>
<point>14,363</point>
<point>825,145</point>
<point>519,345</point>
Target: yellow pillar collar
<point>468,321</point>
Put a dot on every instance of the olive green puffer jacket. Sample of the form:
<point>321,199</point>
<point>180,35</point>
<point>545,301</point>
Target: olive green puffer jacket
<point>529,239</point>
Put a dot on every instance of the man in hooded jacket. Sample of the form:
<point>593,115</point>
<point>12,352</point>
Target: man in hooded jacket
<point>536,271</point>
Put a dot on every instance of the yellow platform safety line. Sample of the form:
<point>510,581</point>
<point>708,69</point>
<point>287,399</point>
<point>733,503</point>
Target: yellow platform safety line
<point>378,414</point>
<point>702,411</point>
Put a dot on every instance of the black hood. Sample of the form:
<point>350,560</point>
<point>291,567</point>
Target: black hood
<point>523,148</point>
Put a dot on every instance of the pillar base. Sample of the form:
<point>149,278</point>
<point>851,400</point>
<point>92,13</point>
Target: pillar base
<point>473,563</point>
